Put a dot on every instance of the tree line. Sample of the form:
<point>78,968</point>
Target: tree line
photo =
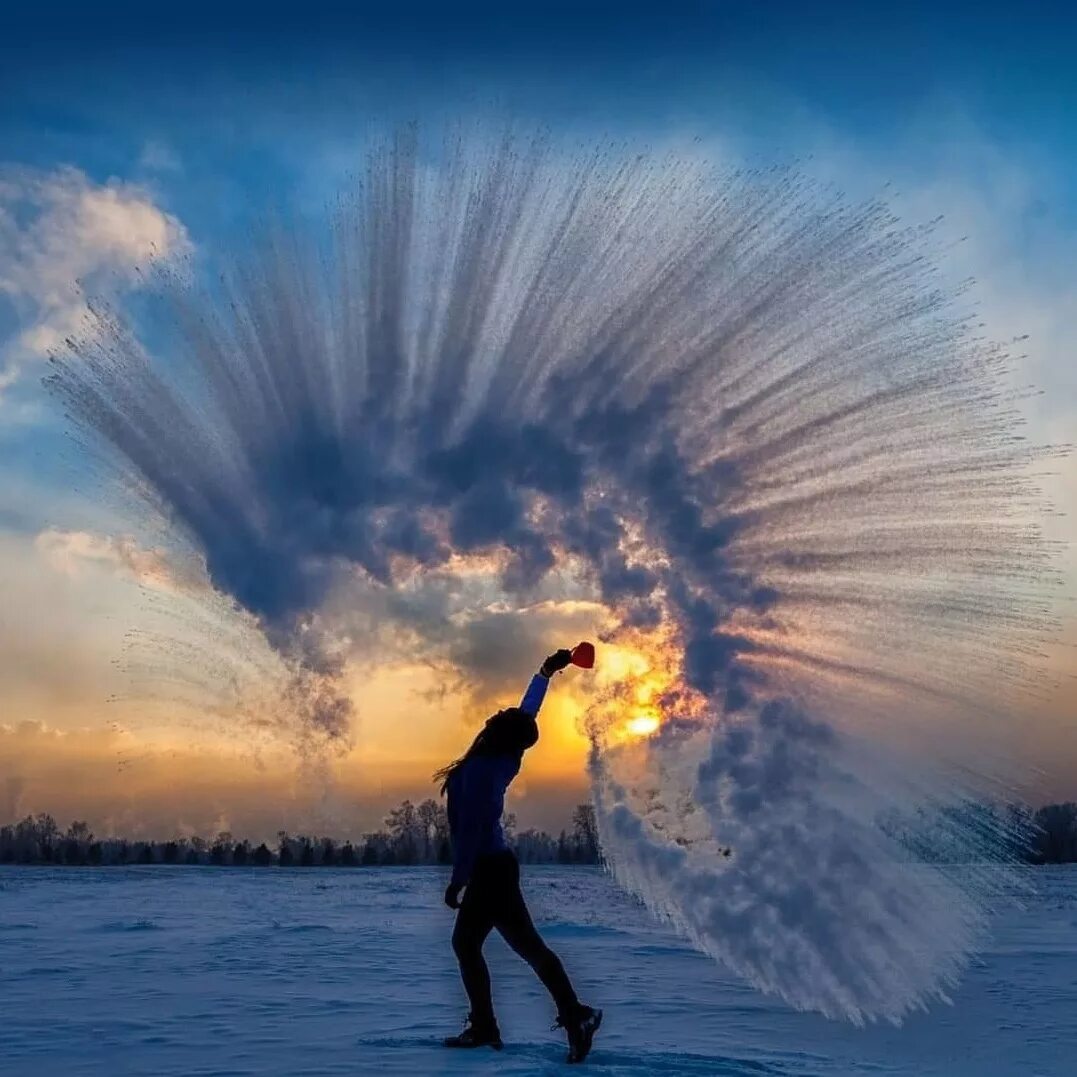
<point>419,834</point>
<point>412,834</point>
<point>970,831</point>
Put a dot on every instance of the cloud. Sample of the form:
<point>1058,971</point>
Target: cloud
<point>1004,222</point>
<point>560,383</point>
<point>72,553</point>
<point>128,785</point>
<point>158,156</point>
<point>60,234</point>
<point>124,785</point>
<point>495,650</point>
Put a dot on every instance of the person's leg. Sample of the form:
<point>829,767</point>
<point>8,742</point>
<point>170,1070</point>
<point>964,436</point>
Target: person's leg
<point>513,920</point>
<point>473,923</point>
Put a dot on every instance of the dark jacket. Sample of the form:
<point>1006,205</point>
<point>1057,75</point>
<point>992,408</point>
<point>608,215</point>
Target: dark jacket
<point>476,796</point>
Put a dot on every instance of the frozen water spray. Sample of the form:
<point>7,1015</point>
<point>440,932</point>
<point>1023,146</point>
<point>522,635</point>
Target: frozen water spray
<point>753,417</point>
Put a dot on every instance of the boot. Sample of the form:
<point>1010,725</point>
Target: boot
<point>581,1026</point>
<point>477,1034</point>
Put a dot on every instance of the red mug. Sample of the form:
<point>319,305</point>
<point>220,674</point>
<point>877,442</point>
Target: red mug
<point>583,655</point>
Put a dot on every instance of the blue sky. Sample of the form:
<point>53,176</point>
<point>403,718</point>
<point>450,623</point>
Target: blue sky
<point>176,124</point>
<point>214,81</point>
<point>216,109</point>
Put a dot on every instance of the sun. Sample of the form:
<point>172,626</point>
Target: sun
<point>643,725</point>
<point>639,681</point>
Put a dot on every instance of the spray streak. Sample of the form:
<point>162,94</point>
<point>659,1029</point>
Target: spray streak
<point>748,411</point>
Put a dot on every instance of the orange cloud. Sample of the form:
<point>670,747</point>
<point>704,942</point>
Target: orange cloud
<point>73,552</point>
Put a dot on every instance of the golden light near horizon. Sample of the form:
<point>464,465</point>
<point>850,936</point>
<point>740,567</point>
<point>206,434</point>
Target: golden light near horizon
<point>639,679</point>
<point>643,725</point>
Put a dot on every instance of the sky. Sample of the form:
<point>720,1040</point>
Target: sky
<point>126,136</point>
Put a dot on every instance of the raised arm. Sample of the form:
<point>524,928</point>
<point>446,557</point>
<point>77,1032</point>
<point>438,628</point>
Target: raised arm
<point>536,690</point>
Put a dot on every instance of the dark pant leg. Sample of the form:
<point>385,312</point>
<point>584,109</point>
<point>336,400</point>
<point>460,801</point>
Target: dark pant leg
<point>513,920</point>
<point>474,921</point>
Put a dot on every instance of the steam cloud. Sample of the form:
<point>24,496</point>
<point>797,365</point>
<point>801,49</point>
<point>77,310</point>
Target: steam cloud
<point>751,416</point>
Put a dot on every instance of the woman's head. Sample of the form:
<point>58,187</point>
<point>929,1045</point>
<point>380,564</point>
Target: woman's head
<point>509,732</point>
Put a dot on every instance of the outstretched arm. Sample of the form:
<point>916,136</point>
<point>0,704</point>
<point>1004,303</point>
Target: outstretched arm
<point>536,690</point>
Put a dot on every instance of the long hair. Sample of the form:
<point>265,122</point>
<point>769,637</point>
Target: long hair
<point>509,732</point>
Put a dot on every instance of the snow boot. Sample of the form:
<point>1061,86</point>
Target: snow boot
<point>477,1034</point>
<point>581,1027</point>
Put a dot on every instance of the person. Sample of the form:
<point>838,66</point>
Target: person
<point>488,873</point>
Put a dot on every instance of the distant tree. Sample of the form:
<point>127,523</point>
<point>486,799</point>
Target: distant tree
<point>406,830</point>
<point>535,847</point>
<point>221,853</point>
<point>444,855</point>
<point>262,856</point>
<point>171,852</point>
<point>306,855</point>
<point>328,853</point>
<point>348,859</point>
<point>241,852</point>
<point>371,850</point>
<point>285,856</point>
<point>433,826</point>
<point>585,833</point>
<point>35,839</point>
<point>76,843</point>
<point>48,834</point>
<point>1020,829</point>
<point>1055,840</point>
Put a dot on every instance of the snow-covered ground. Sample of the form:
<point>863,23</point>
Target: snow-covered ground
<point>202,971</point>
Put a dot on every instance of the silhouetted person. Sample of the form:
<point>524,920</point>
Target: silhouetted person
<point>487,871</point>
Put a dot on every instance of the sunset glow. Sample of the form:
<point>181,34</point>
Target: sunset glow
<point>643,725</point>
<point>145,656</point>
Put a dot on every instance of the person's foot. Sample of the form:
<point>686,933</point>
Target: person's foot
<point>477,1034</point>
<point>581,1027</point>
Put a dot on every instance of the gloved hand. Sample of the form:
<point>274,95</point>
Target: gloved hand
<point>452,895</point>
<point>556,662</point>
